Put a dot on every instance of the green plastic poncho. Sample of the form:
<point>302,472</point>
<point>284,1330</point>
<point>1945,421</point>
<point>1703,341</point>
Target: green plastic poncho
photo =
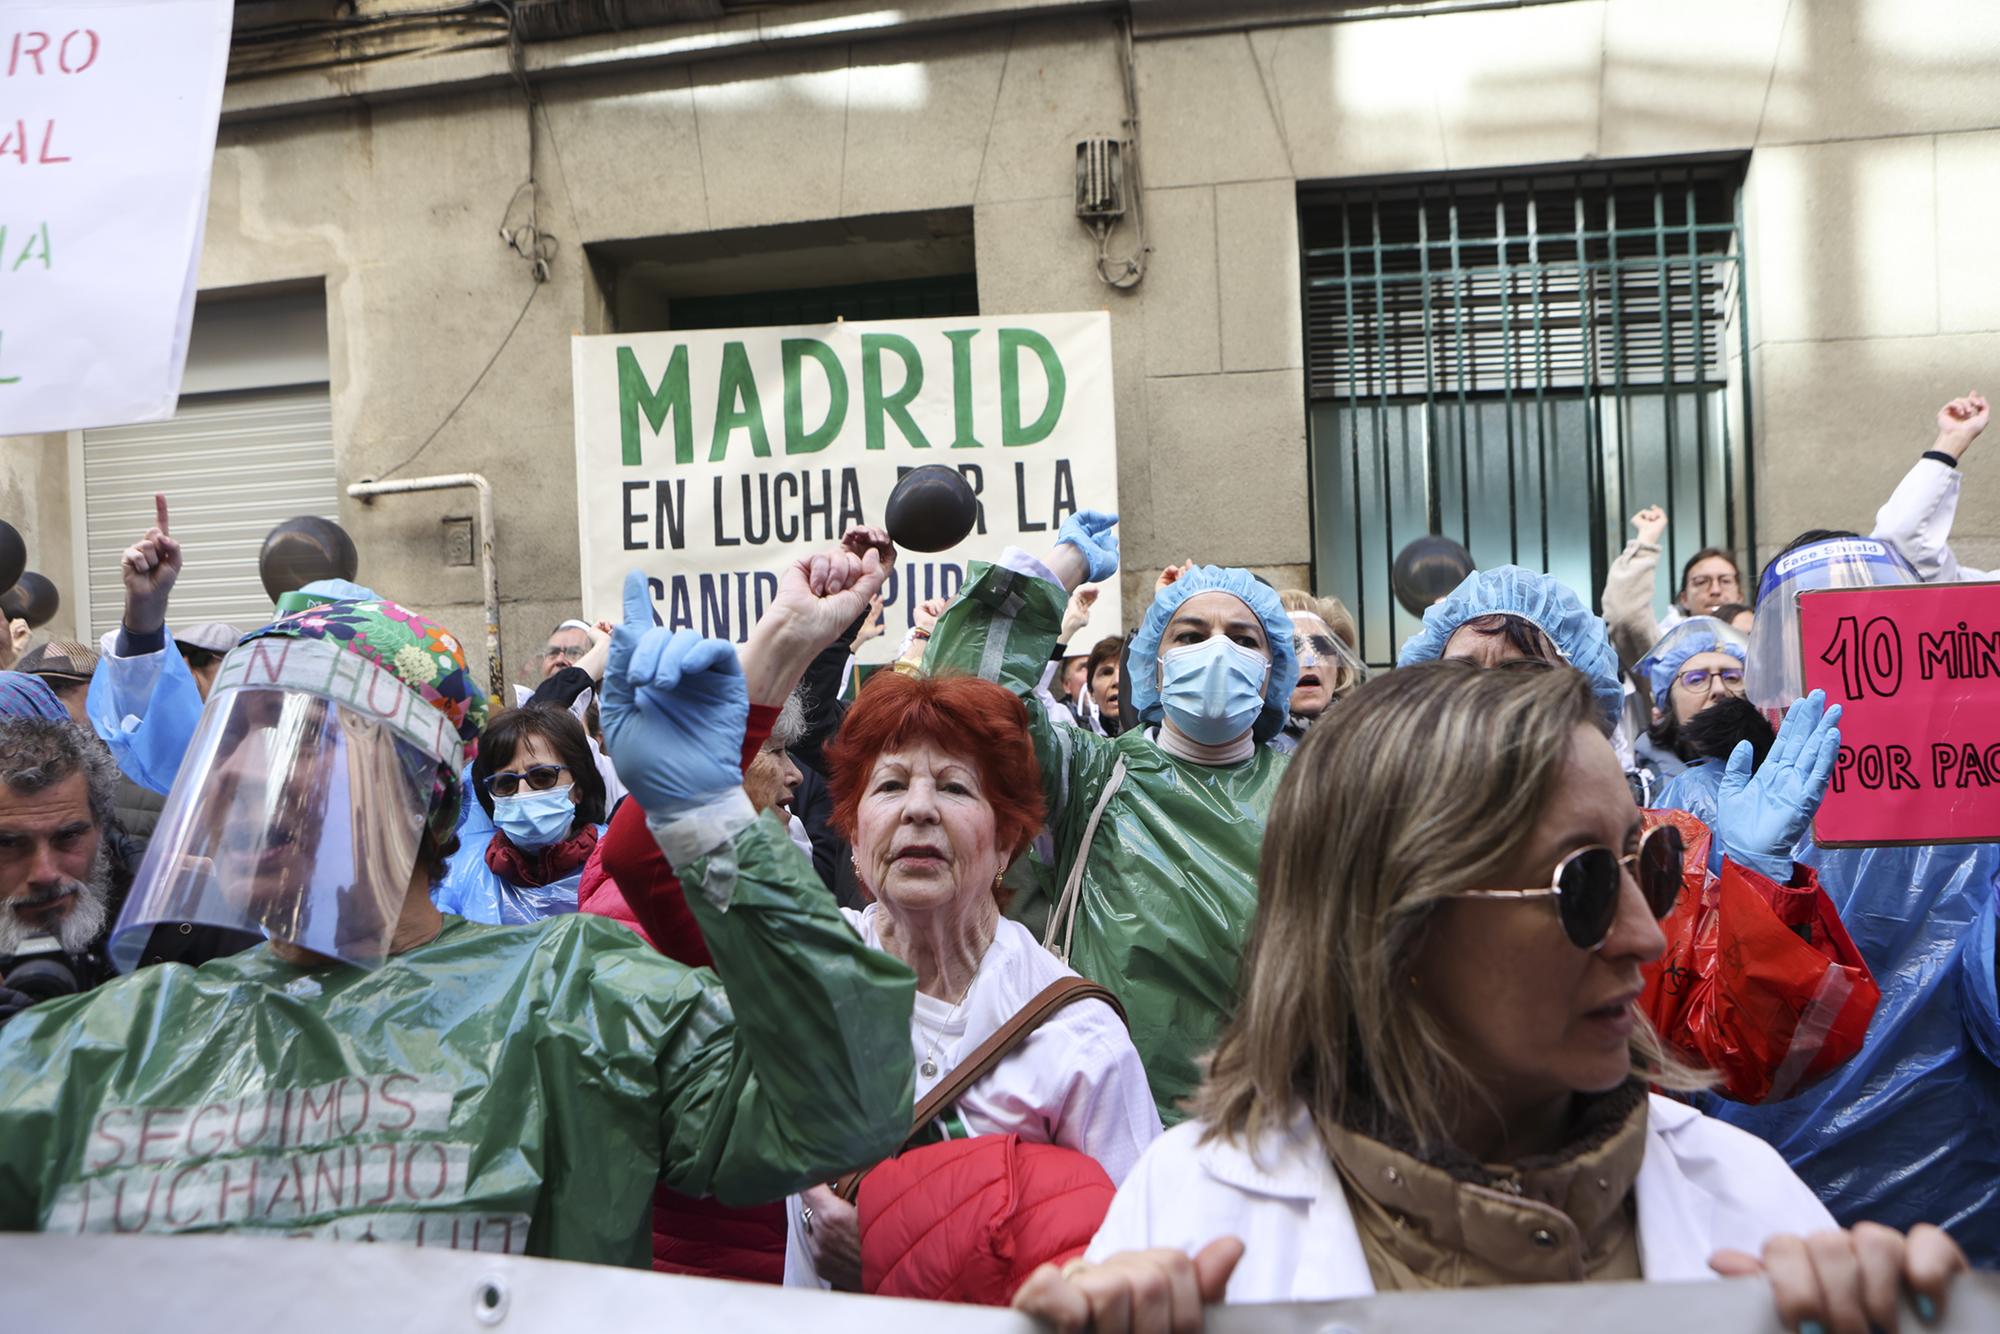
<point>1169,864</point>
<point>510,1089</point>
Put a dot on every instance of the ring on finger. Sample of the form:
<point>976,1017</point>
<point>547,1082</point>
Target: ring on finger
<point>806,1216</point>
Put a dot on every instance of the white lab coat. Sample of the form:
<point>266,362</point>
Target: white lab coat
<point>1917,518</point>
<point>1702,1186</point>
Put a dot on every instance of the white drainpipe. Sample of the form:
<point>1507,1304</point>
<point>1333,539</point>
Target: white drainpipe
<point>489,576</point>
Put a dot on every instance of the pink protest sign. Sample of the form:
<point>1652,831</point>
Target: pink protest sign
<point>1917,668</point>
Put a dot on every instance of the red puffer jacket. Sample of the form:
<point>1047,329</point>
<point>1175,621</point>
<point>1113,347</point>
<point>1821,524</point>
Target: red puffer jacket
<point>968,1220</point>
<point>629,880</point>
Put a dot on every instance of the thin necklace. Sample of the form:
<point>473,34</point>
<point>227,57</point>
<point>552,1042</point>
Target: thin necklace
<point>929,1068</point>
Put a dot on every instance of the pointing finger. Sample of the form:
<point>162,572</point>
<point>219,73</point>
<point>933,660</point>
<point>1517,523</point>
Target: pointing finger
<point>638,617</point>
<point>638,601</point>
<point>160,510</point>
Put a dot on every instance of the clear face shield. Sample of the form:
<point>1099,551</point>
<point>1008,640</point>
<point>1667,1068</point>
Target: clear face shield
<point>1327,666</point>
<point>299,807</point>
<point>1775,675</point>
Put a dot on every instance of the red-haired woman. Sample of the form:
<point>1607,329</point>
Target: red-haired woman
<point>935,787</point>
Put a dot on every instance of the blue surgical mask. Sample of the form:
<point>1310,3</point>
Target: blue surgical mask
<point>534,820</point>
<point>1214,690</point>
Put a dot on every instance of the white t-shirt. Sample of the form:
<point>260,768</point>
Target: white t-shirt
<point>1075,1081</point>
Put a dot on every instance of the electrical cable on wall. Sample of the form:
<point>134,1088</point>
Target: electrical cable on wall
<point>527,240</point>
<point>476,382</point>
<point>1127,272</point>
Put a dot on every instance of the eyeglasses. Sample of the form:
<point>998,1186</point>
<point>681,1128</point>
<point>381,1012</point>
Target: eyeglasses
<point>1698,678</point>
<point>1322,645</point>
<point>1712,581</point>
<point>566,654</point>
<point>1586,883</point>
<point>539,778</point>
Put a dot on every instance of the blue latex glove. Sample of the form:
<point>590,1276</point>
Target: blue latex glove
<point>1089,531</point>
<point>1760,819</point>
<point>146,709</point>
<point>673,710</point>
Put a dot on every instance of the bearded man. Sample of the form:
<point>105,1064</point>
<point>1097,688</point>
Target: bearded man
<point>56,790</point>
<point>66,862</point>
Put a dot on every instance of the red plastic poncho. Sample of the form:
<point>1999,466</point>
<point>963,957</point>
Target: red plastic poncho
<point>1760,981</point>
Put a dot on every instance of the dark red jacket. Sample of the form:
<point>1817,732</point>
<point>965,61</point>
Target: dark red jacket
<point>629,880</point>
<point>968,1220</point>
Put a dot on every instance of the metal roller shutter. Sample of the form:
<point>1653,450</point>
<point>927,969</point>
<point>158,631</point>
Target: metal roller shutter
<point>231,466</point>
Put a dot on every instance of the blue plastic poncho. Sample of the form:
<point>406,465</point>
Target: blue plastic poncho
<point>1509,590</point>
<point>1143,654</point>
<point>1694,636</point>
<point>471,889</point>
<point>1905,1132</point>
<point>146,708</point>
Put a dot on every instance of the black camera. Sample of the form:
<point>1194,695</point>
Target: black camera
<point>42,970</point>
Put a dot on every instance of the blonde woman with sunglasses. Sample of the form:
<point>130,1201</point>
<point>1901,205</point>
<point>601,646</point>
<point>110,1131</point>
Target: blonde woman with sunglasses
<point>1438,1075</point>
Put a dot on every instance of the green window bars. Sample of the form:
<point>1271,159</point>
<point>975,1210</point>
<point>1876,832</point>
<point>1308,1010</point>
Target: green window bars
<point>1520,362</point>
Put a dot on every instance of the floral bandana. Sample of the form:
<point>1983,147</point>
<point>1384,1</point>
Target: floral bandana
<point>421,654</point>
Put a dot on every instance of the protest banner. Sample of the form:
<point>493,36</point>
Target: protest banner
<point>1917,670</point>
<point>108,111</point>
<point>58,1283</point>
<point>712,459</point>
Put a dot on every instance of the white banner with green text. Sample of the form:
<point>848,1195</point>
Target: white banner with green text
<point>711,459</point>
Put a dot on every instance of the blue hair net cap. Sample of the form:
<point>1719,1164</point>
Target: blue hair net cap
<point>1697,634</point>
<point>1144,652</point>
<point>25,696</point>
<point>1529,595</point>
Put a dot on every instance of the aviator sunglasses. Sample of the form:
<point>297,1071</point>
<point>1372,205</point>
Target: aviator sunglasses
<point>1586,883</point>
<point>539,778</point>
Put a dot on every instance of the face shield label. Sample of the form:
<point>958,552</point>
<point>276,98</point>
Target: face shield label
<point>1774,677</point>
<point>323,668</point>
<point>1842,551</point>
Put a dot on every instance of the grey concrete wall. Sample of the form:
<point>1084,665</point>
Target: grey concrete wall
<point>1874,127</point>
<point>34,497</point>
